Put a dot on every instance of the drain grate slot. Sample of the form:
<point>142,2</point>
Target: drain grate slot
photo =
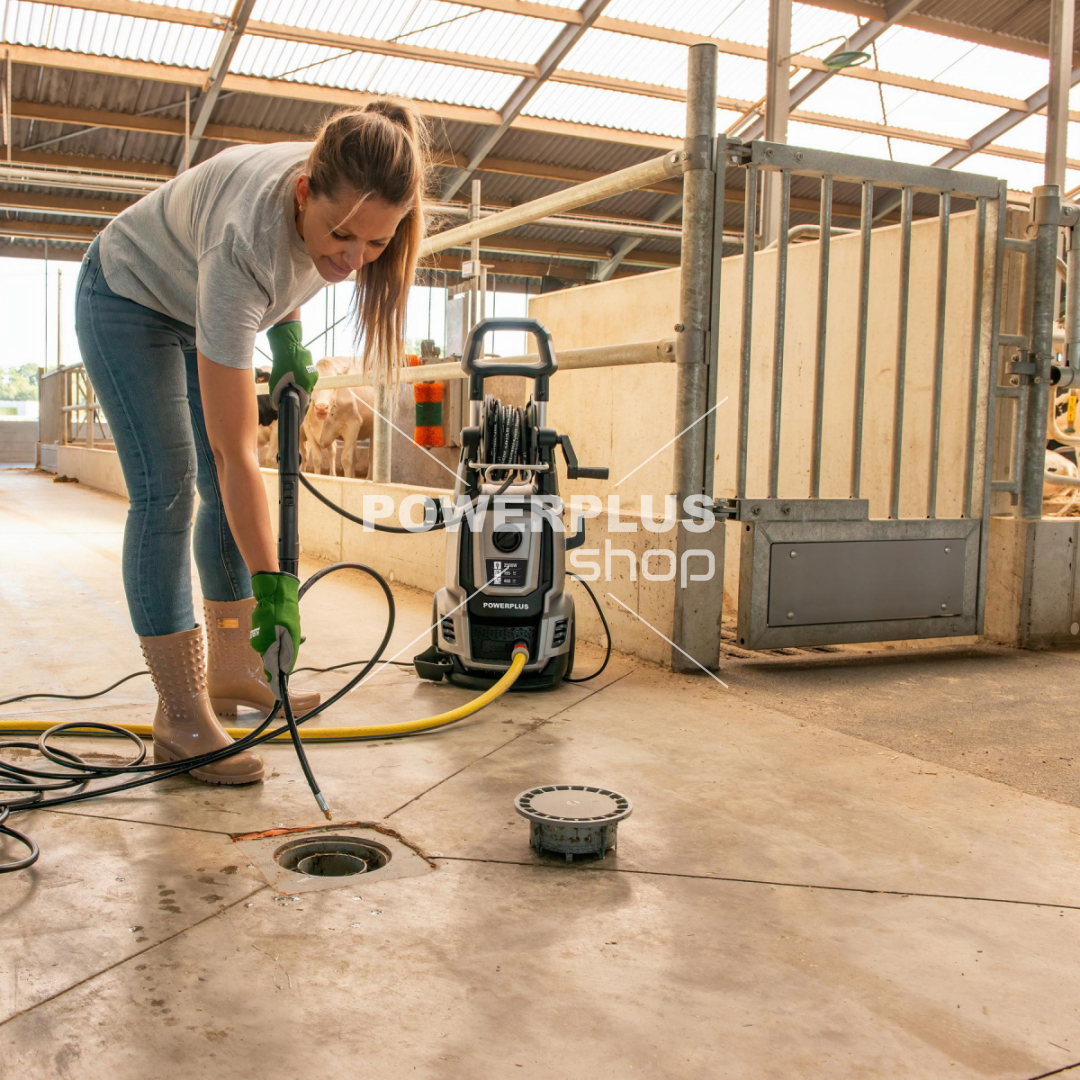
<point>332,856</point>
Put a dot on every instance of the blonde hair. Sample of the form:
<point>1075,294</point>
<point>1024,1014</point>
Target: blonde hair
<point>378,151</point>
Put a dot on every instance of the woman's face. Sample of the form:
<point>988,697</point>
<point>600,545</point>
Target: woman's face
<point>340,236</point>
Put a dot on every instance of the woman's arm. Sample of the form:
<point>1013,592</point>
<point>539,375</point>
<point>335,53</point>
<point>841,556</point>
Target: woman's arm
<point>232,424</point>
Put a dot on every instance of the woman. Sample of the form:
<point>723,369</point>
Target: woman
<point>170,298</point>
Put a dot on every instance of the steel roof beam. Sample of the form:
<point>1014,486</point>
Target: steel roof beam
<point>567,38</point>
<point>233,32</point>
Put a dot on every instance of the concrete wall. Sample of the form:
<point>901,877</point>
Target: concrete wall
<point>95,468</point>
<point>18,441</point>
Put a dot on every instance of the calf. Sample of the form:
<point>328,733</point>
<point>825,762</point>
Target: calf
<point>343,413</point>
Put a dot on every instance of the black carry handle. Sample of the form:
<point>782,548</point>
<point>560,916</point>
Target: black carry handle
<point>478,369</point>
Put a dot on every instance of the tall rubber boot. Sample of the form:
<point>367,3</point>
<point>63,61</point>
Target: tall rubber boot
<point>184,724</point>
<point>234,670</point>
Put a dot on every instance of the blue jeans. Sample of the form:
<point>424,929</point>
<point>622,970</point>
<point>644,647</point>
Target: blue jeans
<point>143,368</point>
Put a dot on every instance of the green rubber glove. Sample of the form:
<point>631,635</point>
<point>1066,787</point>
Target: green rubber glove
<point>275,624</point>
<point>292,363</point>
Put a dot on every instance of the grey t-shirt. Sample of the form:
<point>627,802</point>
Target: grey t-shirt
<point>217,248</point>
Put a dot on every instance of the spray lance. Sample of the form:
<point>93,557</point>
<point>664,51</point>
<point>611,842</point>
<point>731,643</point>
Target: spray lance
<point>289,418</point>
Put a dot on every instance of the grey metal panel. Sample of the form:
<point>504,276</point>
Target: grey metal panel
<point>1051,607</point>
<point>847,581</point>
<point>857,169</point>
<point>754,631</point>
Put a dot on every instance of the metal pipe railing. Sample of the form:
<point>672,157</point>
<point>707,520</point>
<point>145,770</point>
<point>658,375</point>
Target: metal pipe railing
<point>603,187</point>
<point>866,225</point>
<point>746,333</point>
<point>696,284</point>
<point>824,245</point>
<point>976,352</point>
<point>939,350</point>
<point>570,221</point>
<point>778,339</point>
<point>901,350</point>
<point>1046,214</point>
<point>640,352</point>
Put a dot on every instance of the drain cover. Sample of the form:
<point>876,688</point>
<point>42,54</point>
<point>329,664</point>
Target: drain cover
<point>331,856</point>
<point>573,819</point>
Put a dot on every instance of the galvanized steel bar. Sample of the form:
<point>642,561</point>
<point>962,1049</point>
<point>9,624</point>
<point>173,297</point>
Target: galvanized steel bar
<point>712,340</point>
<point>382,433</point>
<point>824,242</point>
<point>866,224</point>
<point>640,352</point>
<point>993,356</point>
<point>746,341</point>
<point>976,353</point>
<point>849,167</point>
<point>778,338</point>
<point>901,350</point>
<point>939,350</point>
<point>695,636</point>
<point>603,187</point>
<point>1072,298</point>
<point>1060,48</point>
<point>695,289</point>
<point>1046,213</point>
<point>1027,292</point>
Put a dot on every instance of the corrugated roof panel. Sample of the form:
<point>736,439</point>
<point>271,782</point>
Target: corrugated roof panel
<point>738,20</point>
<point>865,145</point>
<point>601,52</point>
<point>615,109</point>
<point>1021,175</point>
<point>817,31</point>
<point>53,27</point>
<point>324,66</point>
<point>740,77</point>
<point>1030,134</point>
<point>913,109</point>
<point>214,7</point>
<point>429,23</point>
<point>962,63</point>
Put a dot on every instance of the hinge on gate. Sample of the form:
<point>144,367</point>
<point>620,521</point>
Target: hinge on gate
<point>736,152</point>
<point>1035,365</point>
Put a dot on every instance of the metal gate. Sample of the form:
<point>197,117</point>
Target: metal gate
<point>857,465</point>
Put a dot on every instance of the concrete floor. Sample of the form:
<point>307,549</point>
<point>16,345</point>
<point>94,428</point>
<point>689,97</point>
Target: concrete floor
<point>852,864</point>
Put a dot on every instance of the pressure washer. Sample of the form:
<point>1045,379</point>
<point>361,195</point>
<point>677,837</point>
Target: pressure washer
<point>506,568</point>
<point>502,618</point>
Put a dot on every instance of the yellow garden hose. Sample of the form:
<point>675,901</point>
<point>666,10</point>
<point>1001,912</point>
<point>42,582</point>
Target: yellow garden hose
<point>330,734</point>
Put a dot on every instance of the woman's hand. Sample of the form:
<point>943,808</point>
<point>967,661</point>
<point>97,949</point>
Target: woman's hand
<point>292,363</point>
<point>275,624</point>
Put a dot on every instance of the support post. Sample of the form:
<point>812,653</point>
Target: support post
<point>1046,216</point>
<point>1062,13</point>
<point>698,604</point>
<point>382,433</point>
<point>777,107</point>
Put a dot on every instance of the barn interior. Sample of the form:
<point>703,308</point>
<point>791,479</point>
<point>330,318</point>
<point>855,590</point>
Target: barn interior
<point>811,276</point>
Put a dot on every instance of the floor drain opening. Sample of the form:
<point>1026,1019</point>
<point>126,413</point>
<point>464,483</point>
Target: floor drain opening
<point>332,856</point>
